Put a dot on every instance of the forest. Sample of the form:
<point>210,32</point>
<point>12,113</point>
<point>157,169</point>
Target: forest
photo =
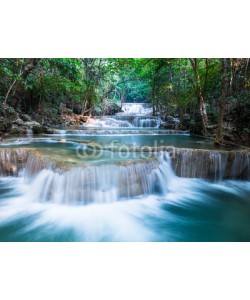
<point>209,95</point>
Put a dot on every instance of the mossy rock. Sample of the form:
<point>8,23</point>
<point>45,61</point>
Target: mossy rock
<point>39,129</point>
<point>17,129</point>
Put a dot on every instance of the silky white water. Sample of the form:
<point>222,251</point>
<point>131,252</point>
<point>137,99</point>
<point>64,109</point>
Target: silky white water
<point>90,204</point>
<point>191,210</point>
<point>133,115</point>
<point>101,183</point>
<point>136,109</point>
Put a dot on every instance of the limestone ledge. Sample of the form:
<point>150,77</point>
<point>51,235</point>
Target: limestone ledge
<point>195,163</point>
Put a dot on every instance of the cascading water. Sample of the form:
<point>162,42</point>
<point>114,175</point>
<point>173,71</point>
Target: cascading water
<point>107,122</point>
<point>48,203</point>
<point>133,115</point>
<point>100,184</point>
<point>136,109</point>
<point>147,122</point>
<point>192,163</point>
<point>139,115</point>
<point>214,165</point>
<point>111,122</point>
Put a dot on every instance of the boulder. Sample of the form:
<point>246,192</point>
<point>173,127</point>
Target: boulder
<point>111,109</point>
<point>39,129</point>
<point>170,119</point>
<point>15,129</point>
<point>25,117</point>
<point>84,119</point>
<point>18,122</point>
<point>186,117</point>
<point>31,124</point>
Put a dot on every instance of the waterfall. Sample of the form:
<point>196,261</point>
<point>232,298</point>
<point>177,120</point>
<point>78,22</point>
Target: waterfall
<point>133,115</point>
<point>131,121</point>
<point>29,132</point>
<point>193,163</point>
<point>138,114</point>
<point>136,109</point>
<point>107,122</point>
<point>125,121</point>
<point>102,184</point>
<point>36,164</point>
<point>110,122</point>
<point>215,165</point>
<point>62,132</point>
<point>110,131</point>
<point>114,182</point>
<point>147,122</point>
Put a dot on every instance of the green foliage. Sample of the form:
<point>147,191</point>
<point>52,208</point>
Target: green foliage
<point>91,83</point>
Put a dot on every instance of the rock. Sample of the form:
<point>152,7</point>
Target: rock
<point>39,129</point>
<point>111,109</point>
<point>15,129</point>
<point>19,126</point>
<point>18,122</point>
<point>170,125</point>
<point>166,125</point>
<point>170,119</point>
<point>186,117</point>
<point>8,115</point>
<point>51,131</point>
<point>25,117</point>
<point>72,122</point>
<point>38,118</point>
<point>84,118</point>
<point>31,124</point>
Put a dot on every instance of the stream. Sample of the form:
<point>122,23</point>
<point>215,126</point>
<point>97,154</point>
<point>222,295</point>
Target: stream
<point>122,178</point>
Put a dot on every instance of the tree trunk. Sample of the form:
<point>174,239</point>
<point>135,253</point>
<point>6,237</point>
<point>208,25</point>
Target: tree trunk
<point>9,90</point>
<point>202,107</point>
<point>231,77</point>
<point>219,135</point>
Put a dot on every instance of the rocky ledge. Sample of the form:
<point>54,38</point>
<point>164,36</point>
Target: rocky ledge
<point>194,163</point>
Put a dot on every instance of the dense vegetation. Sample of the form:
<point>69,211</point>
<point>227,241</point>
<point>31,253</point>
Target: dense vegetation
<point>213,92</point>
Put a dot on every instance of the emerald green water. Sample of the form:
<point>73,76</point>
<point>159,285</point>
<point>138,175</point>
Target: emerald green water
<point>79,148</point>
<point>174,209</point>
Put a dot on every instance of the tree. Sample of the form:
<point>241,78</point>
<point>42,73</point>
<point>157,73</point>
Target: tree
<point>25,70</point>
<point>219,135</point>
<point>202,107</point>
